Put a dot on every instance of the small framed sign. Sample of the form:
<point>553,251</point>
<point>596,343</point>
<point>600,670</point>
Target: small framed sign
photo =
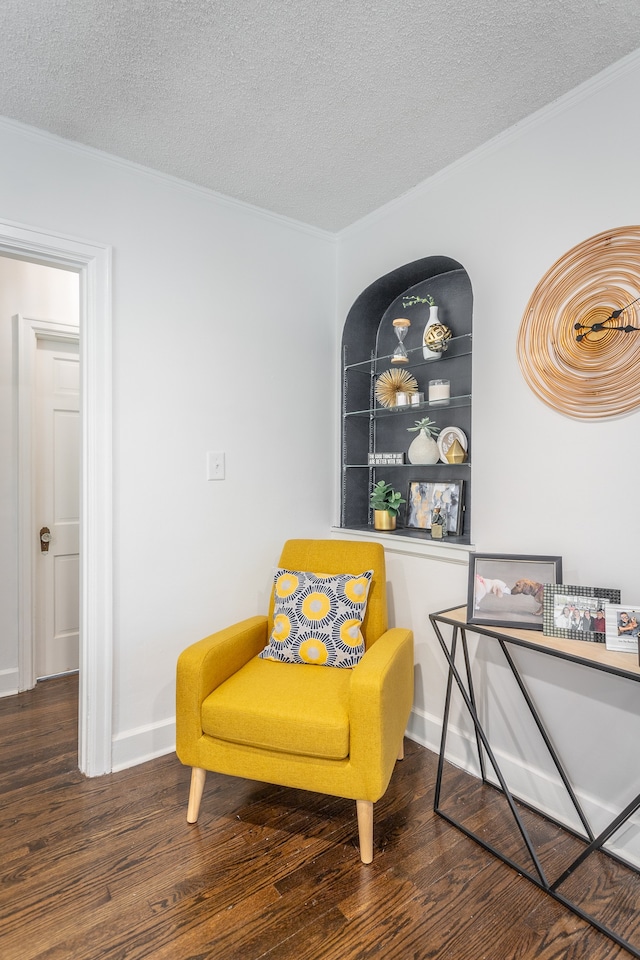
<point>386,459</point>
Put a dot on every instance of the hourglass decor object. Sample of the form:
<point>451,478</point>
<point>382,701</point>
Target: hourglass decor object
<point>400,327</point>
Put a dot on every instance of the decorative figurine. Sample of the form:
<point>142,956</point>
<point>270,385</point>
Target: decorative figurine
<point>438,524</point>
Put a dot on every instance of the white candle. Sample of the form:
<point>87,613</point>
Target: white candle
<point>402,399</point>
<point>439,390</point>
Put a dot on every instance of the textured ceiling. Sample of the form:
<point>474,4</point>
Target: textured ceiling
<point>321,110</point>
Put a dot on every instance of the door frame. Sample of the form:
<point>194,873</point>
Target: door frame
<point>92,262</point>
<point>27,331</point>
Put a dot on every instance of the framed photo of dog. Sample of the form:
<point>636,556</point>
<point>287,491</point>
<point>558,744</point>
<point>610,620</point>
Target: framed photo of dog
<point>507,590</point>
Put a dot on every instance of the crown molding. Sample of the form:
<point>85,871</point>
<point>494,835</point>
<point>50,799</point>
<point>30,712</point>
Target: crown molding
<point>204,193</point>
<point>519,129</point>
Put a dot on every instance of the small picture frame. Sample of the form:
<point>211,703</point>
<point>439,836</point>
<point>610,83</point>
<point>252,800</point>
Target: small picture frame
<point>507,590</point>
<point>623,627</point>
<point>577,612</point>
<point>424,496</point>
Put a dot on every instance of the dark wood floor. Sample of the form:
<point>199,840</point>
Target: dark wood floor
<point>109,869</point>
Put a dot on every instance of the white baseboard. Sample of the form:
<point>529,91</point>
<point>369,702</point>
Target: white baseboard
<point>8,682</point>
<point>542,790</point>
<point>143,743</point>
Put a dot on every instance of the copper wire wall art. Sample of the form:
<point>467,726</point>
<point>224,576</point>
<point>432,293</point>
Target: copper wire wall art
<point>579,339</point>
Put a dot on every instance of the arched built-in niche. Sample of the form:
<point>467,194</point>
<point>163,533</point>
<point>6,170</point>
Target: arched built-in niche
<point>367,344</point>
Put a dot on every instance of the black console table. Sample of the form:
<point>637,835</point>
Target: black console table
<point>586,844</point>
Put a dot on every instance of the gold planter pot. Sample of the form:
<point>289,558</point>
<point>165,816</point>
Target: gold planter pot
<point>382,520</point>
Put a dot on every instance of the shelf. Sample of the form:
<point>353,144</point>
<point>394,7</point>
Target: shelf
<point>410,533</point>
<point>368,345</point>
<point>436,405</point>
<point>395,541</point>
<point>456,347</point>
<point>402,466</point>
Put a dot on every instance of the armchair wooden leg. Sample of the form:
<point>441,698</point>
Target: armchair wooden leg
<point>198,776</point>
<point>364,810</point>
<point>401,750</point>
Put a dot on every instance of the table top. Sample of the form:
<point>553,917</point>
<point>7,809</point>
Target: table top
<point>580,651</point>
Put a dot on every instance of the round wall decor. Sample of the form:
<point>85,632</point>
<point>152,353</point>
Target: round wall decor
<point>579,339</point>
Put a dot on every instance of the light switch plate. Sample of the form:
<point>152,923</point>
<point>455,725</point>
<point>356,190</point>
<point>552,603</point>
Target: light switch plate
<point>215,465</point>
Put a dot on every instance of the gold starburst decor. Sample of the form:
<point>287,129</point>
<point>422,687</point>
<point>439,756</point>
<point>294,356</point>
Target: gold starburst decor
<point>436,336</point>
<point>392,382</point>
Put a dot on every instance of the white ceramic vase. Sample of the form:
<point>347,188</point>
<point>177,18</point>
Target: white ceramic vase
<point>433,318</point>
<point>423,449</point>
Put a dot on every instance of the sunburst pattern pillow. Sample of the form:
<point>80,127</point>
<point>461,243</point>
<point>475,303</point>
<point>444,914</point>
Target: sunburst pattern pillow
<point>317,619</point>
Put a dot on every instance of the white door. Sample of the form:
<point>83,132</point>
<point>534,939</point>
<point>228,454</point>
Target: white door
<point>56,454</point>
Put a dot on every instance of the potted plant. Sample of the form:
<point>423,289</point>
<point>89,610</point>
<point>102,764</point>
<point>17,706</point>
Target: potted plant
<point>413,300</point>
<point>423,448</point>
<point>386,503</point>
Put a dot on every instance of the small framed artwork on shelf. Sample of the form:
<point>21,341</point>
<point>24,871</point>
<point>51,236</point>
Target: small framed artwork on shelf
<point>507,590</point>
<point>425,497</point>
<point>623,627</point>
<point>577,612</point>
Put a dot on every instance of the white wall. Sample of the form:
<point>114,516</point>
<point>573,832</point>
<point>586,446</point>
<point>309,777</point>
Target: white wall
<point>541,481</point>
<point>42,293</point>
<point>223,339</point>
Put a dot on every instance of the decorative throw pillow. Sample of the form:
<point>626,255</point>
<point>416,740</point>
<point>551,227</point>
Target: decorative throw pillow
<point>317,619</point>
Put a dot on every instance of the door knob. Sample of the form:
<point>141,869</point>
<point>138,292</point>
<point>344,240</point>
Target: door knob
<point>45,539</point>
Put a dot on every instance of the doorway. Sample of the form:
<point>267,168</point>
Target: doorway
<point>57,508</point>
<point>48,429</point>
<point>92,262</point>
<point>45,374</point>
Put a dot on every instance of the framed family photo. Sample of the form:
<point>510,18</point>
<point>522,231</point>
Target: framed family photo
<point>623,627</point>
<point>423,498</point>
<point>507,590</point>
<point>577,612</point>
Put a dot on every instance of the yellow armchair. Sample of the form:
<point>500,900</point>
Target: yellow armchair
<point>327,729</point>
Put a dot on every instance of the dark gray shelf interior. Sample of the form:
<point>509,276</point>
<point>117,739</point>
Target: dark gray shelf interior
<point>368,343</point>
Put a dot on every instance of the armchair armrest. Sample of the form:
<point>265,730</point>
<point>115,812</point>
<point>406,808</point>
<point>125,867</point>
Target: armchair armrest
<point>380,702</point>
<point>204,665</point>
